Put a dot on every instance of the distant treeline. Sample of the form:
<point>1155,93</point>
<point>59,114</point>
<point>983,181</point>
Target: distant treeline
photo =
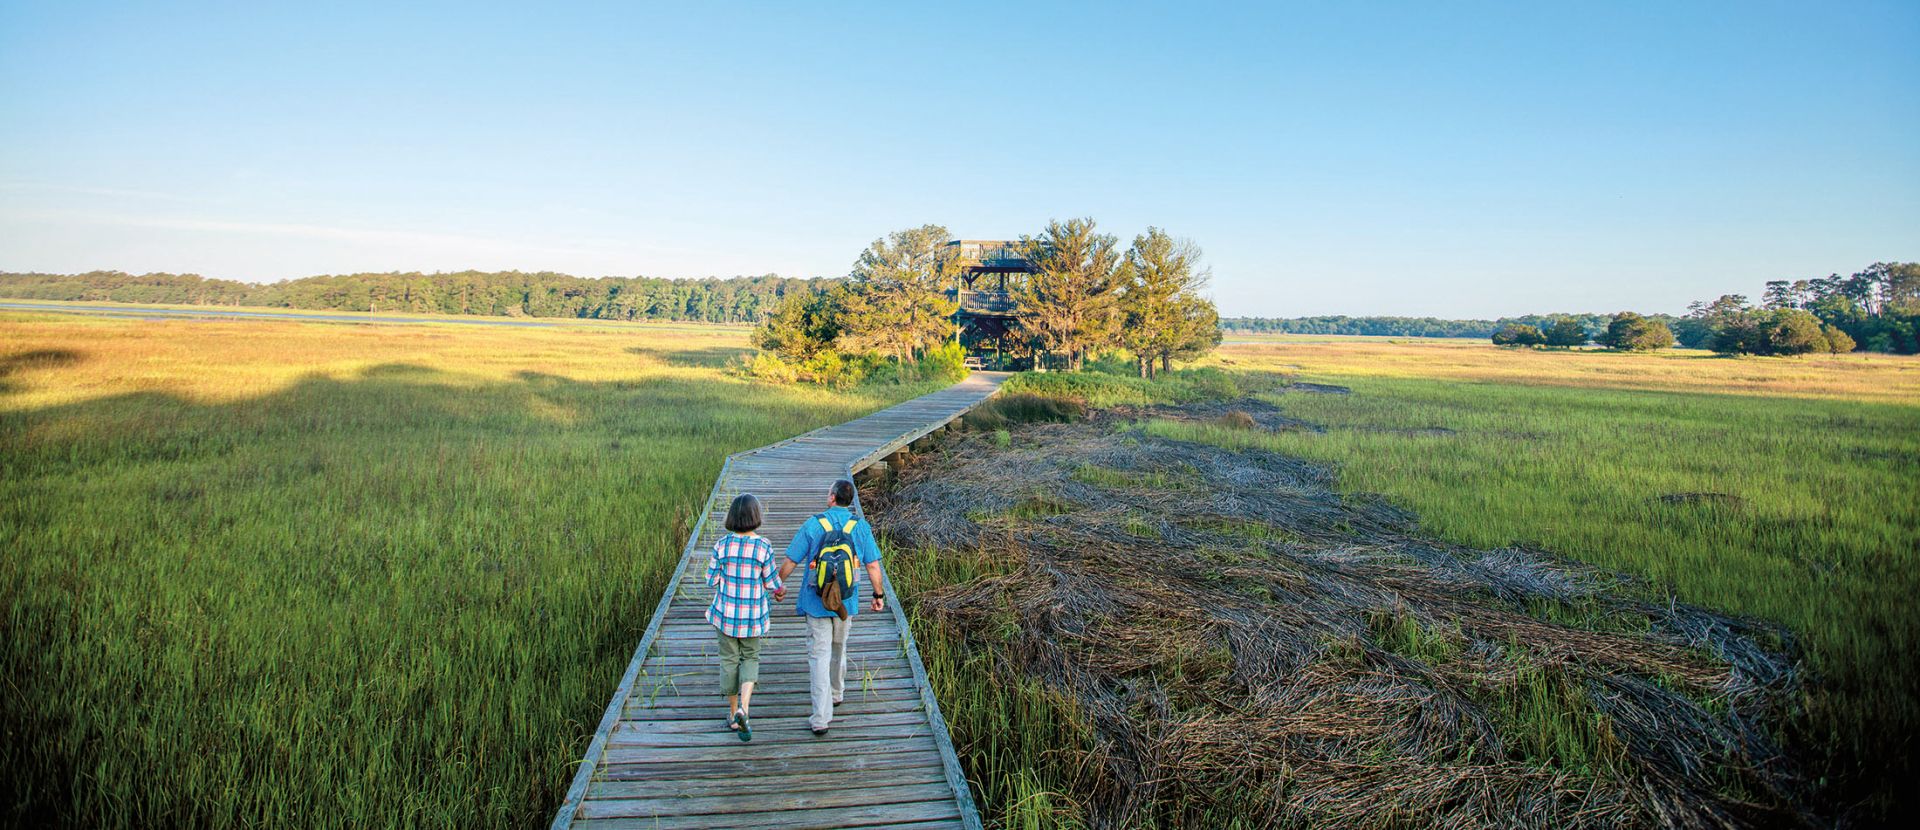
<point>1402,326</point>
<point>499,293</point>
<point>1876,309</point>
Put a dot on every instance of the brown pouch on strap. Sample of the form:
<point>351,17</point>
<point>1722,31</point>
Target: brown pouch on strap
<point>832,597</point>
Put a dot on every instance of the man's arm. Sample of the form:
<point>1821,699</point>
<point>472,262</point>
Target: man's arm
<point>869,550</point>
<point>797,551</point>
<point>786,570</point>
<point>878,580</point>
<point>802,546</point>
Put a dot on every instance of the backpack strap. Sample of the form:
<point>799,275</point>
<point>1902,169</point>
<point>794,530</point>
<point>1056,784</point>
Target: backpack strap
<point>824,524</point>
<point>849,528</point>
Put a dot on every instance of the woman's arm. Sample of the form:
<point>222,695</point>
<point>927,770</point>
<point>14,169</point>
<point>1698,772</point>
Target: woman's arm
<point>771,574</point>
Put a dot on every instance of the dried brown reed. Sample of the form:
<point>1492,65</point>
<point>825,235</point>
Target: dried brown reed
<point>1247,643</point>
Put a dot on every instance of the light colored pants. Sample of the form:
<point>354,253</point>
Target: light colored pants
<point>826,665</point>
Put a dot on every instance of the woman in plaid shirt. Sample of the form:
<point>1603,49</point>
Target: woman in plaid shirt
<point>741,572</point>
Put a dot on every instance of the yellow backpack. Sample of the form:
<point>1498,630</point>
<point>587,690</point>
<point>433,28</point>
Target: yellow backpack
<point>834,565</point>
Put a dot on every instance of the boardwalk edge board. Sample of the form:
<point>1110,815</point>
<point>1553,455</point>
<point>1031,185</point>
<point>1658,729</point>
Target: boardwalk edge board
<point>621,705</point>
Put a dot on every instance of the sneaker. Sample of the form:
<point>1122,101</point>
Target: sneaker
<point>819,733</point>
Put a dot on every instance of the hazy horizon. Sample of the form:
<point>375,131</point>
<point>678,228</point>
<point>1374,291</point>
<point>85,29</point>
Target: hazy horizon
<point>1226,311</point>
<point>1379,160</point>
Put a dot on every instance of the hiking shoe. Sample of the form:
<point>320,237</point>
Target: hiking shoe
<point>819,733</point>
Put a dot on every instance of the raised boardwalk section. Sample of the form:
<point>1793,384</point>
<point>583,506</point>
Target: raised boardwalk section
<point>663,758</point>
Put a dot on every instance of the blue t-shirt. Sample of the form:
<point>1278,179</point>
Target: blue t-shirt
<point>806,543</point>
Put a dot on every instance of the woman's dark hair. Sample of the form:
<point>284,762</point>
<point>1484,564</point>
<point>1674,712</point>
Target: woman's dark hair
<point>843,493</point>
<point>743,516</point>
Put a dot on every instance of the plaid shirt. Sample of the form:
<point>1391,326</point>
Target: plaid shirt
<point>741,573</point>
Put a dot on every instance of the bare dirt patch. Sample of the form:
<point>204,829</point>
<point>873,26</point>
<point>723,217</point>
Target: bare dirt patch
<point>1245,642</point>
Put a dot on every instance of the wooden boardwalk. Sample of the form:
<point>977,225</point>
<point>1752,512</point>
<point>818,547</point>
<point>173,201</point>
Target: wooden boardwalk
<point>663,757</point>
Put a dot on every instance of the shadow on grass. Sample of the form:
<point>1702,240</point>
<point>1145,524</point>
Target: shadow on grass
<point>710,357</point>
<point>524,524</point>
<point>36,359</point>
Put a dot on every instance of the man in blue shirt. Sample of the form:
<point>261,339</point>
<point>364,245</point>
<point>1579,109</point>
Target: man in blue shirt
<point>826,631</point>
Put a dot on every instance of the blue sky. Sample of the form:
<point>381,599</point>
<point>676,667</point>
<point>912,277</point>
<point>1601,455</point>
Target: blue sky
<point>1451,159</point>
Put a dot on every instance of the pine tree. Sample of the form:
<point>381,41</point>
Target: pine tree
<point>804,325</point>
<point>1197,330</point>
<point>1068,304</point>
<point>896,300</point>
<point>1162,279</point>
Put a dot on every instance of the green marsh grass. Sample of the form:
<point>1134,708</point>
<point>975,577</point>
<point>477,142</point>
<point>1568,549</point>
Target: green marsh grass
<point>320,575</point>
<point>1801,473</point>
<point>1568,452</point>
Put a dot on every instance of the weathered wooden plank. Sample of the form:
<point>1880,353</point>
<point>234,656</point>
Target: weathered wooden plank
<point>793,640</point>
<point>792,627</point>
<point>769,764</point>
<point>783,626</point>
<point>769,695</point>
<point>833,745</point>
<point>768,724</point>
<point>879,644</point>
<point>879,641</point>
<point>798,707</point>
<point>712,703</point>
<point>714,708</point>
<point>784,638</point>
<point>689,636</point>
<point>707,685</point>
<point>702,653</point>
<point>773,671</point>
<point>815,819</point>
<point>695,788</point>
<point>768,797</point>
<point>782,678</point>
<point>697,598</point>
<point>703,682</point>
<point>624,735</point>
